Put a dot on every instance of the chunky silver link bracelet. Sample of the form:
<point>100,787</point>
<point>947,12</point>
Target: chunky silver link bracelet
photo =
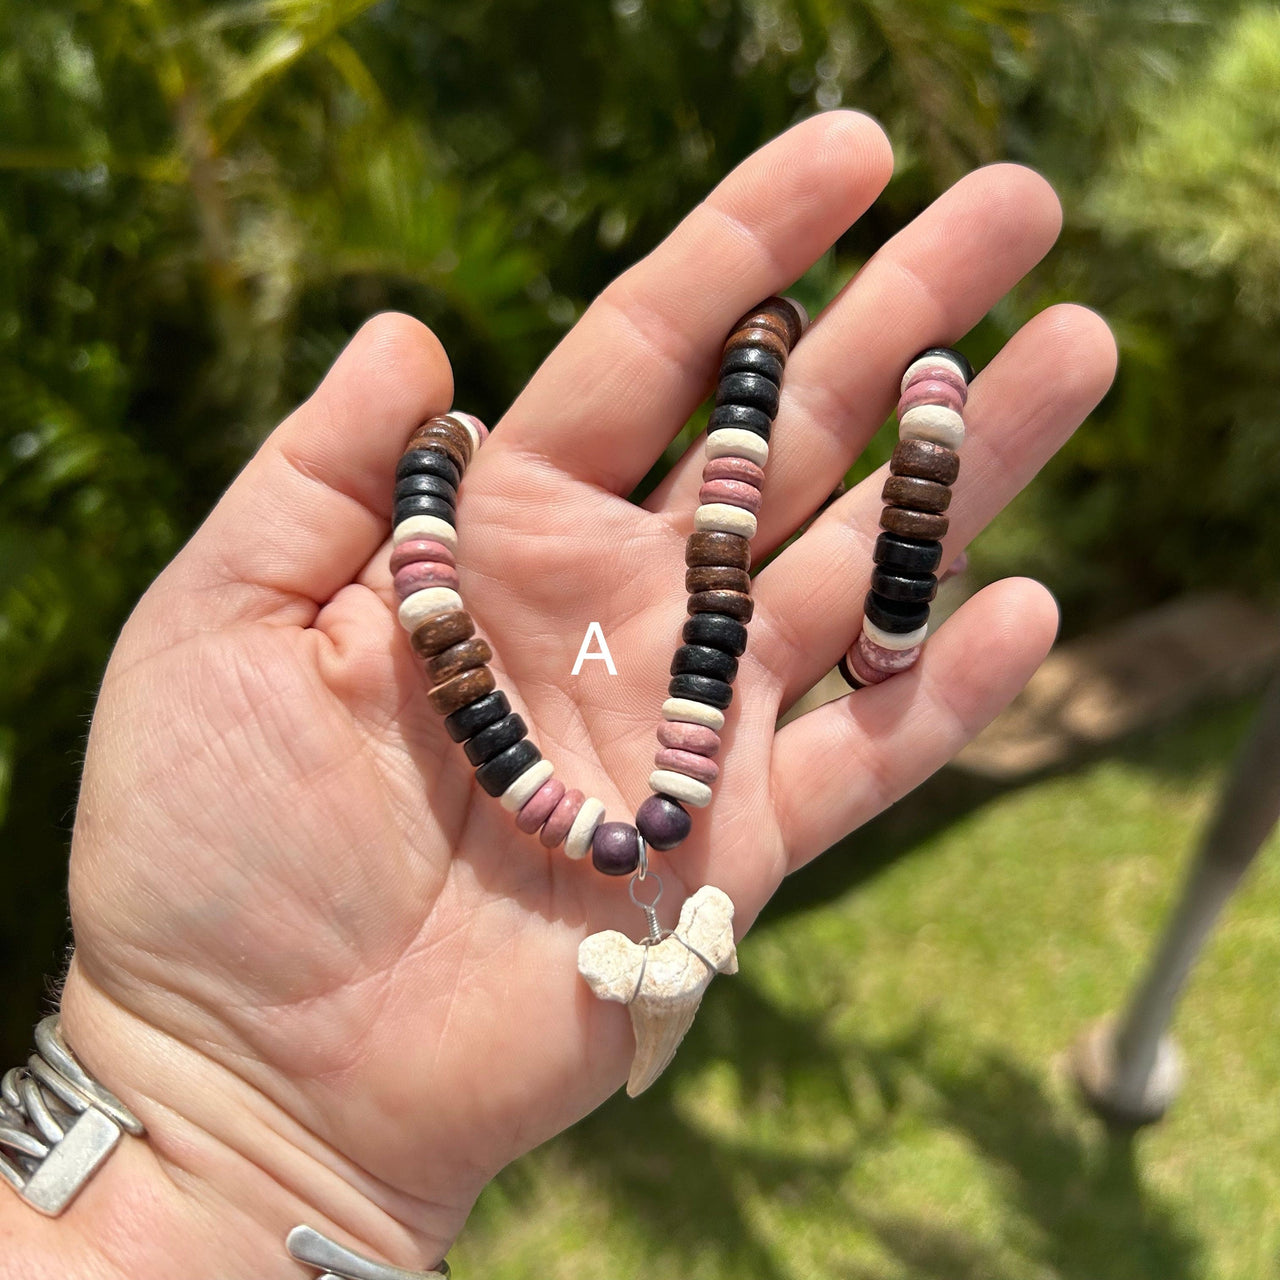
<point>57,1123</point>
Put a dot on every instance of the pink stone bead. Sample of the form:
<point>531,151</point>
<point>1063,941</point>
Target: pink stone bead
<point>943,371</point>
<point>734,469</point>
<point>863,669</point>
<point>889,661</point>
<point>420,549</point>
<point>540,806</point>
<point>697,738</point>
<point>423,574</point>
<point>557,826</point>
<point>734,492</point>
<point>930,391</point>
<point>686,762</point>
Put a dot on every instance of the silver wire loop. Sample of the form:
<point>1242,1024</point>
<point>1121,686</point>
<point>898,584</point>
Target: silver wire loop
<point>656,933</point>
<point>643,869</point>
<point>657,897</point>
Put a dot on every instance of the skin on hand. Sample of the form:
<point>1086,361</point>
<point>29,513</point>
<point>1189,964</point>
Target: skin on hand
<point>321,964</point>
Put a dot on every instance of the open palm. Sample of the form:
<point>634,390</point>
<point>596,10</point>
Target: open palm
<point>287,889</point>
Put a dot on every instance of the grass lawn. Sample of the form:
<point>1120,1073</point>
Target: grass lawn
<point>879,1095</point>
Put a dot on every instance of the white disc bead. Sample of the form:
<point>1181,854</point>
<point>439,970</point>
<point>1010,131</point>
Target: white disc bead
<point>930,361</point>
<point>687,711</point>
<point>680,787</point>
<point>891,640</point>
<point>424,604</point>
<point>577,844</point>
<point>723,517</point>
<point>430,527</point>
<point>934,422</point>
<point>734,442</point>
<point>514,797</point>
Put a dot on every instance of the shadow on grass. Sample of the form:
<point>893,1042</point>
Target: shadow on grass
<point>1072,1195</point>
<point>1070,1203</point>
<point>1181,749</point>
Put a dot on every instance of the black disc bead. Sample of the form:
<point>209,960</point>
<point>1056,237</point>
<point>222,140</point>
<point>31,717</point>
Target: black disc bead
<point>752,360</point>
<point>715,693</point>
<point>894,616</point>
<point>846,675</point>
<point>910,555</point>
<point>749,389</point>
<point>496,737</point>
<point>431,486</point>
<point>428,462</point>
<point>742,416</point>
<point>716,631</point>
<point>700,660</point>
<point>469,720</point>
<point>496,775</point>
<point>910,588</point>
<point>423,504</point>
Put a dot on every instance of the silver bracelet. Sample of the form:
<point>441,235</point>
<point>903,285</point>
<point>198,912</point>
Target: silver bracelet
<point>337,1262</point>
<point>57,1123</point>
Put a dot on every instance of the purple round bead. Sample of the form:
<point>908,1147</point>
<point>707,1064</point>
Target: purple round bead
<point>663,822</point>
<point>615,849</point>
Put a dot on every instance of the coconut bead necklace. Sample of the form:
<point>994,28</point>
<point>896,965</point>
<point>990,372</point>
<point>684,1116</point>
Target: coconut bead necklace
<point>917,492</point>
<point>495,738</point>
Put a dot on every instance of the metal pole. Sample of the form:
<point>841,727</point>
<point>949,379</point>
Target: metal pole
<point>1128,1069</point>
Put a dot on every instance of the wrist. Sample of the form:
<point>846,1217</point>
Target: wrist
<point>219,1180</point>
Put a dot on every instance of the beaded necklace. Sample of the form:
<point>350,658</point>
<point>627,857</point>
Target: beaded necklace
<point>662,977</point>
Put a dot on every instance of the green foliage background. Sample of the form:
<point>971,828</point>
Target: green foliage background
<point>199,202</point>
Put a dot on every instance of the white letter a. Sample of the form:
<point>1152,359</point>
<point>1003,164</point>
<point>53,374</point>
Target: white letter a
<point>604,654</point>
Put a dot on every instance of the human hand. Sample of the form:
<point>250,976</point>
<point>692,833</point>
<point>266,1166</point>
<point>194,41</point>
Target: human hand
<point>321,964</point>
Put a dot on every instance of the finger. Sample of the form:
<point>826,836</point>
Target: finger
<point>927,286</point>
<point>1020,410</point>
<point>621,384</point>
<point>314,503</point>
<point>841,764</point>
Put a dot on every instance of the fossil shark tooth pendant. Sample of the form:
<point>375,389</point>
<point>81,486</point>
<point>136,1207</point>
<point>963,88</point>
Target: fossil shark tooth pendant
<point>661,979</point>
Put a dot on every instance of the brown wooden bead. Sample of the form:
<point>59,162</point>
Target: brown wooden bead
<point>770,340</point>
<point>459,657</point>
<point>713,577</point>
<point>925,460</point>
<point>783,309</point>
<point>913,524</point>
<point>457,432</point>
<point>711,547</point>
<point>427,438</point>
<point>734,604</point>
<point>449,437</point>
<point>775,319</point>
<point>916,494</point>
<point>438,633</point>
<point>449,697</point>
